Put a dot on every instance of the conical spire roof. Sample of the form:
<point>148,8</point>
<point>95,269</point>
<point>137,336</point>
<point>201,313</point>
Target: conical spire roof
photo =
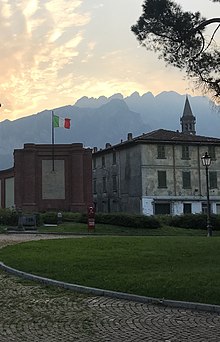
<point>187,111</point>
<point>188,120</point>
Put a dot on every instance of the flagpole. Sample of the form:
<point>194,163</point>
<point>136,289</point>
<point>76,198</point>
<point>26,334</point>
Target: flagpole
<point>52,142</point>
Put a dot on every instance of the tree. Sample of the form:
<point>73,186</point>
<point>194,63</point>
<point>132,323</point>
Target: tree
<point>180,40</point>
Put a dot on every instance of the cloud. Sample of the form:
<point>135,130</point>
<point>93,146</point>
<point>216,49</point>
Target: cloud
<point>38,41</point>
<point>55,51</point>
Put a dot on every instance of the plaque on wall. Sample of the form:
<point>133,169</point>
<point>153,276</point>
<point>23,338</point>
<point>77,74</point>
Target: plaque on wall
<point>53,181</point>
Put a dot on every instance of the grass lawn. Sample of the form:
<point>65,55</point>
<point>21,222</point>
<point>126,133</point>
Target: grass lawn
<point>170,267</point>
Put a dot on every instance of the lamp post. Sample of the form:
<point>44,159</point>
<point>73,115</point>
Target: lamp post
<point>206,161</point>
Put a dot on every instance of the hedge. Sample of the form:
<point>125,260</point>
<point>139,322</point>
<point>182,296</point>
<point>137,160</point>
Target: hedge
<point>119,219</point>
<point>128,220</point>
<point>191,221</point>
<point>194,221</point>
<point>51,217</point>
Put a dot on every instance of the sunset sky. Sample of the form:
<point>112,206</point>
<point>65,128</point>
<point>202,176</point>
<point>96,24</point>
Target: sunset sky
<point>54,52</point>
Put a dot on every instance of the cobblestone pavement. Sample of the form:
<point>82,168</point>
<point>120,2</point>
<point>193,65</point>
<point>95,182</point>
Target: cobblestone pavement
<point>31,312</point>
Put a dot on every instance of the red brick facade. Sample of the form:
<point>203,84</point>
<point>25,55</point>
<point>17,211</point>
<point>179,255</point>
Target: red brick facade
<point>27,172</point>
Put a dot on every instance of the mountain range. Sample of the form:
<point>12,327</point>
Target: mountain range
<point>95,122</point>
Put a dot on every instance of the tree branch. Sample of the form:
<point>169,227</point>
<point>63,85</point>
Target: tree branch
<point>206,23</point>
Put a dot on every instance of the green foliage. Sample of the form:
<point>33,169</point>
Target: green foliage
<point>51,217</point>
<point>194,221</point>
<point>8,217</point>
<point>165,220</point>
<point>215,222</point>
<point>126,220</point>
<point>118,219</point>
<point>197,221</point>
<point>180,39</point>
<point>72,217</point>
<point>39,220</point>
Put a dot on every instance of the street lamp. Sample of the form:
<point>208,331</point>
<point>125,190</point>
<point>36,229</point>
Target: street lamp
<point>206,161</point>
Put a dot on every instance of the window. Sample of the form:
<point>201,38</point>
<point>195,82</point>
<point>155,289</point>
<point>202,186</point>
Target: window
<point>186,176</point>
<point>211,152</point>
<point>187,208</point>
<point>94,186</point>
<point>204,208</point>
<point>114,158</point>
<point>213,180</point>
<point>162,209</point>
<point>185,152</point>
<point>103,161</point>
<point>161,152</point>
<point>162,179</point>
<point>104,184</point>
<point>218,208</point>
<point>114,183</point>
<point>94,163</point>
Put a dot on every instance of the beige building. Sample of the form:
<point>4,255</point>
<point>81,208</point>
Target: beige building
<point>159,172</point>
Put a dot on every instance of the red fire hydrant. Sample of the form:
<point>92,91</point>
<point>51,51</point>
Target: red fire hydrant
<point>91,218</point>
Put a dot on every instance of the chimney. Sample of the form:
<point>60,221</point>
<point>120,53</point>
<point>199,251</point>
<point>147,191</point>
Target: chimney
<point>107,145</point>
<point>95,149</point>
<point>129,136</point>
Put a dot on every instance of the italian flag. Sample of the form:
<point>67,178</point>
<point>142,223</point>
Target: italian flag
<point>60,122</point>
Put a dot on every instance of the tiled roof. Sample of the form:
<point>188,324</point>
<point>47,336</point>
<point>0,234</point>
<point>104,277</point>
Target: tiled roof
<point>169,136</point>
<point>163,136</point>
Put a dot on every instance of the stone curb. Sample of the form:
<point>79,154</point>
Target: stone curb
<point>112,294</point>
<point>88,234</point>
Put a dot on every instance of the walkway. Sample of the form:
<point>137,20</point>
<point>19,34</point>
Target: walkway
<point>31,312</point>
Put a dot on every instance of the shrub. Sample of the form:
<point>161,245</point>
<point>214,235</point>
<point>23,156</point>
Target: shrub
<point>49,217</point>
<point>195,221</point>
<point>215,222</point>
<point>119,219</point>
<point>128,220</point>
<point>72,217</point>
<point>8,217</point>
<point>165,220</point>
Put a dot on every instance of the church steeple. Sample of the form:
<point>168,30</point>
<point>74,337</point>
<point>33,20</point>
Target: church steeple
<point>188,120</point>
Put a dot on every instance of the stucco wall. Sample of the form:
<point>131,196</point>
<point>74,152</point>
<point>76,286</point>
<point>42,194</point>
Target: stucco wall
<point>174,165</point>
<point>128,174</point>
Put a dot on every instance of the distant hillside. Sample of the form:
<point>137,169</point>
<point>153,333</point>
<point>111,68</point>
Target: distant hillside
<point>92,126</point>
<point>94,122</point>
<point>165,110</point>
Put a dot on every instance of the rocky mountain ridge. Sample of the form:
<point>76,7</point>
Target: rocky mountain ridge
<point>95,122</point>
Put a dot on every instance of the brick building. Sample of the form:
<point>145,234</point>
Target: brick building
<point>44,178</point>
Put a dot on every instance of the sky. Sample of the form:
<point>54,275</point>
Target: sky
<point>57,51</point>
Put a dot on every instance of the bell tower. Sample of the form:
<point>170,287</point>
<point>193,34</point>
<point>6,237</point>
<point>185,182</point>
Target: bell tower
<point>188,120</point>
